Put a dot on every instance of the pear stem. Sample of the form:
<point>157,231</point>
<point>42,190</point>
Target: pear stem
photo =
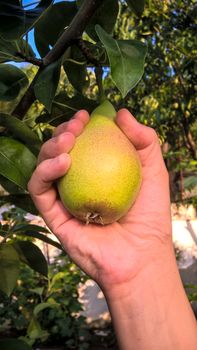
<point>99,81</point>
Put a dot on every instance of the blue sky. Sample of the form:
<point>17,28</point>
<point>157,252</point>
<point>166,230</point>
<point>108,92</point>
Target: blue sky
<point>31,33</point>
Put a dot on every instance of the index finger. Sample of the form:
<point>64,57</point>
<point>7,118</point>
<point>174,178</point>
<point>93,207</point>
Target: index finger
<point>43,192</point>
<point>144,139</point>
<point>75,125</point>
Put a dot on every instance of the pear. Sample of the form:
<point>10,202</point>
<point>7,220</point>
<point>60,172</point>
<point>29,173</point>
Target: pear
<point>105,174</point>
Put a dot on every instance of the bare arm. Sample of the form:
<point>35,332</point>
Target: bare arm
<point>152,312</point>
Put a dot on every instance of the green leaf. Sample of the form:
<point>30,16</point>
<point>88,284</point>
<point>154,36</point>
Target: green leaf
<point>9,187</point>
<point>58,276</point>
<point>9,268</point>
<point>63,108</point>
<point>20,200</point>
<point>190,182</point>
<point>31,230</point>
<point>137,6</point>
<point>42,306</point>
<point>96,50</point>
<point>30,227</point>
<point>15,21</point>
<point>12,81</point>
<point>31,255</point>
<point>126,60</point>
<point>52,24</point>
<point>46,84</point>
<point>34,331</point>
<point>21,131</point>
<point>9,50</point>
<point>13,344</point>
<point>75,68</point>
<point>16,161</point>
<point>75,63</point>
<point>76,74</point>
<point>102,17</point>
<point>43,238</point>
<point>38,290</point>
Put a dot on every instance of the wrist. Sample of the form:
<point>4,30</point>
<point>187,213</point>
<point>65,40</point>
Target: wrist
<point>157,264</point>
<point>152,308</point>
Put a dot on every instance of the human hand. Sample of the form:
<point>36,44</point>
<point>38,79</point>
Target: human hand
<point>113,254</point>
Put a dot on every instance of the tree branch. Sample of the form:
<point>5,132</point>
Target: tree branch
<point>99,80</point>
<point>33,60</point>
<point>71,33</point>
<point>86,52</point>
<point>98,67</point>
<point>74,30</point>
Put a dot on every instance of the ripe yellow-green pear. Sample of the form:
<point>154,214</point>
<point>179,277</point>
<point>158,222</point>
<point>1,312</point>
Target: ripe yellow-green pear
<point>105,174</point>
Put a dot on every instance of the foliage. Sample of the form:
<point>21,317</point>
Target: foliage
<point>165,98</point>
<point>87,46</point>
<point>191,292</point>
<point>46,310</point>
<point>38,302</point>
<point>22,132</point>
<point>16,248</point>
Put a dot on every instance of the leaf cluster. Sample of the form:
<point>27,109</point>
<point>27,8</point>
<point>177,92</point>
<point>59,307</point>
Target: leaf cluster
<point>44,310</point>
<point>79,42</point>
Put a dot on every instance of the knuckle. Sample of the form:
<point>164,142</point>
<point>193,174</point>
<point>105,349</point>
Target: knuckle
<point>40,168</point>
<point>73,122</point>
<point>60,129</point>
<point>42,171</point>
<point>42,148</point>
<point>45,147</point>
<point>153,134</point>
<point>30,186</point>
<point>60,144</point>
<point>55,145</point>
<point>166,173</point>
<point>154,138</point>
<point>66,134</point>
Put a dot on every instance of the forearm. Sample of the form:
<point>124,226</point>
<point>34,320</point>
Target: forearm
<point>152,312</point>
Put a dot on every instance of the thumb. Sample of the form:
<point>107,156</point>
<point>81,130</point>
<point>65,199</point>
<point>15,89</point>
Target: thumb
<point>144,139</point>
<point>141,136</point>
